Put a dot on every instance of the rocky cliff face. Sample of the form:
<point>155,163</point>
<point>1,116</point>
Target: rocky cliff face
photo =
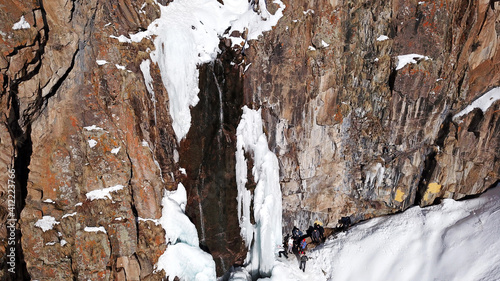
<point>78,126</point>
<point>355,134</point>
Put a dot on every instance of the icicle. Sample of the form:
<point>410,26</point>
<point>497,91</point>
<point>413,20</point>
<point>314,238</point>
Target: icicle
<point>266,233</point>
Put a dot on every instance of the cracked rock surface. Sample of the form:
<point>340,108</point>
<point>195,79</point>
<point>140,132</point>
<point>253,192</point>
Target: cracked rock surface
<point>355,134</point>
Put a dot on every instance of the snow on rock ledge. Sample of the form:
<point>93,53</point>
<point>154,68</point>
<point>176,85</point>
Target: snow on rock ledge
<point>403,60</point>
<point>21,24</point>
<point>103,193</point>
<point>483,103</point>
<point>46,223</point>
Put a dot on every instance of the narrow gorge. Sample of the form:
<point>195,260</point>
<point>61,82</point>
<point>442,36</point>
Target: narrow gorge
<point>368,107</point>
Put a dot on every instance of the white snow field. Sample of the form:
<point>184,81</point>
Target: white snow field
<point>456,240</point>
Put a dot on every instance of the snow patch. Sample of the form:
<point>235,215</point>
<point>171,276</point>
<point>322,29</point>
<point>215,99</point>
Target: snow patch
<point>156,221</point>
<point>92,143</point>
<point>382,38</point>
<point>63,242</point>
<point>93,128</point>
<point>95,229</point>
<point>141,10</point>
<point>21,24</point>
<point>324,44</point>
<point>101,62</point>
<point>255,23</point>
<point>456,240</point>
<point>247,67</point>
<point>49,201</point>
<point>403,60</point>
<point>116,150</point>
<point>68,215</point>
<point>310,11</point>
<point>187,262</point>
<point>483,103</point>
<point>121,38</point>
<point>179,227</point>
<point>103,193</point>
<point>46,223</point>
<point>311,48</point>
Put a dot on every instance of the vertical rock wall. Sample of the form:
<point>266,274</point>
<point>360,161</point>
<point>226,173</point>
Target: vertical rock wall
<point>80,120</point>
<point>208,156</point>
<point>357,137</point>
<point>354,133</point>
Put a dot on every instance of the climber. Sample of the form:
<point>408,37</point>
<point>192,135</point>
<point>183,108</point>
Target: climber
<point>309,231</point>
<point>285,241</point>
<point>321,233</point>
<point>303,261</point>
<point>296,232</point>
<point>283,252</point>
<point>290,244</point>
<point>315,236</point>
<point>318,232</point>
<point>303,245</point>
<point>344,223</point>
<point>317,223</point>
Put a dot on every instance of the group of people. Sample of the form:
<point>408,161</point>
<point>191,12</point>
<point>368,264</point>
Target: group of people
<point>297,244</point>
<point>316,232</point>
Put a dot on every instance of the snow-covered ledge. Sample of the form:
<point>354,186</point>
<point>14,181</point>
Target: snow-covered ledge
<point>483,103</point>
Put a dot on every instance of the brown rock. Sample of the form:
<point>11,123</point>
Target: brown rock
<point>353,135</point>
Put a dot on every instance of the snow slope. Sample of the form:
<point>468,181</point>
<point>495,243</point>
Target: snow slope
<point>456,240</point>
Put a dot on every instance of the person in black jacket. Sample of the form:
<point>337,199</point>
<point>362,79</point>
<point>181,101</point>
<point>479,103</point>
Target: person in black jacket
<point>296,232</point>
<point>303,261</point>
<point>283,252</point>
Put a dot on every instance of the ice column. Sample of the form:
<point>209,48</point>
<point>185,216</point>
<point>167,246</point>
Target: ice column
<point>264,236</point>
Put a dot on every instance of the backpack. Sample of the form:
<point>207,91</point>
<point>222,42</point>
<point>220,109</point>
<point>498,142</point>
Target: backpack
<point>303,244</point>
